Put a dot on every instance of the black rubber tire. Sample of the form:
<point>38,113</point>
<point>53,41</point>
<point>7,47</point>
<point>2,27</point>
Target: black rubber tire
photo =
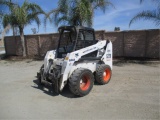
<point>99,74</point>
<point>81,75</point>
<point>41,72</point>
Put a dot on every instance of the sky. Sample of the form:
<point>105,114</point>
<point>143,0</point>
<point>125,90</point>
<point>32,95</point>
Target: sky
<point>119,16</point>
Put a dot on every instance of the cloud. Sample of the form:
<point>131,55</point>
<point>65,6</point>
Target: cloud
<point>111,18</point>
<point>121,16</point>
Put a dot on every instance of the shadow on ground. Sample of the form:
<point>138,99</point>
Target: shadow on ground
<point>2,56</point>
<point>50,90</point>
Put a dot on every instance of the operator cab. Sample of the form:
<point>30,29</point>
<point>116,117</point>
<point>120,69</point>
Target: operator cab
<point>74,38</point>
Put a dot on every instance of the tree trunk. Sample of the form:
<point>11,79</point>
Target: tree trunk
<point>22,41</point>
<point>13,29</point>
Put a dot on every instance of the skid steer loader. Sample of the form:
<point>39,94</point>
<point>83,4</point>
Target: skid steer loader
<point>79,60</point>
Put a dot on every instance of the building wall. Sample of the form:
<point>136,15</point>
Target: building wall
<point>140,43</point>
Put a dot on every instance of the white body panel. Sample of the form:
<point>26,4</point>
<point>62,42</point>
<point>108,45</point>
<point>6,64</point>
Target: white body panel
<point>108,56</point>
<point>49,55</point>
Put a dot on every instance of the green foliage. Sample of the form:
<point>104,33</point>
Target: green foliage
<point>20,16</point>
<point>77,12</point>
<point>117,29</point>
<point>153,15</point>
<point>3,10</point>
<point>23,15</point>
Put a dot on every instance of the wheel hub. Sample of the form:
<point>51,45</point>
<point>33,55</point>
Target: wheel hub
<point>104,74</point>
<point>84,83</point>
<point>81,81</point>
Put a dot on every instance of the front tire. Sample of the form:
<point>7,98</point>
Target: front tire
<point>81,82</point>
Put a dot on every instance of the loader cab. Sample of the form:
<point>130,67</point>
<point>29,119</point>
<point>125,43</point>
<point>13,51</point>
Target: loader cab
<point>74,38</point>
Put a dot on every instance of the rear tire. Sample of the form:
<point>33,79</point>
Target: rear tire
<point>103,74</point>
<point>81,82</point>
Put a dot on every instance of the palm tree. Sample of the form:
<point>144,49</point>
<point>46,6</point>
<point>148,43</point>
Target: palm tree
<point>3,11</point>
<point>153,15</point>
<point>20,16</point>
<point>77,12</point>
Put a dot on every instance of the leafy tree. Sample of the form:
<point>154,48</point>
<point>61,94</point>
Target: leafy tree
<point>153,15</point>
<point>77,12</point>
<point>117,29</point>
<point>34,31</point>
<point>21,16</point>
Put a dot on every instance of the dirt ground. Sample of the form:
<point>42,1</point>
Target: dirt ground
<point>132,93</point>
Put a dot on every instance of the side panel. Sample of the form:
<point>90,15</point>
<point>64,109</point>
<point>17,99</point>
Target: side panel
<point>90,65</point>
<point>107,57</point>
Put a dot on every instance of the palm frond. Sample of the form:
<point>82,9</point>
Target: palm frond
<point>147,15</point>
<point>156,2</point>
<point>102,4</point>
<point>31,7</point>
<point>62,20</point>
<point>77,12</point>
<point>6,20</point>
<point>141,1</point>
<point>33,17</point>
<point>37,20</point>
<point>9,4</point>
<point>1,14</point>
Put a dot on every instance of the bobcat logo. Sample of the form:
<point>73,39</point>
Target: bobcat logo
<point>108,56</point>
